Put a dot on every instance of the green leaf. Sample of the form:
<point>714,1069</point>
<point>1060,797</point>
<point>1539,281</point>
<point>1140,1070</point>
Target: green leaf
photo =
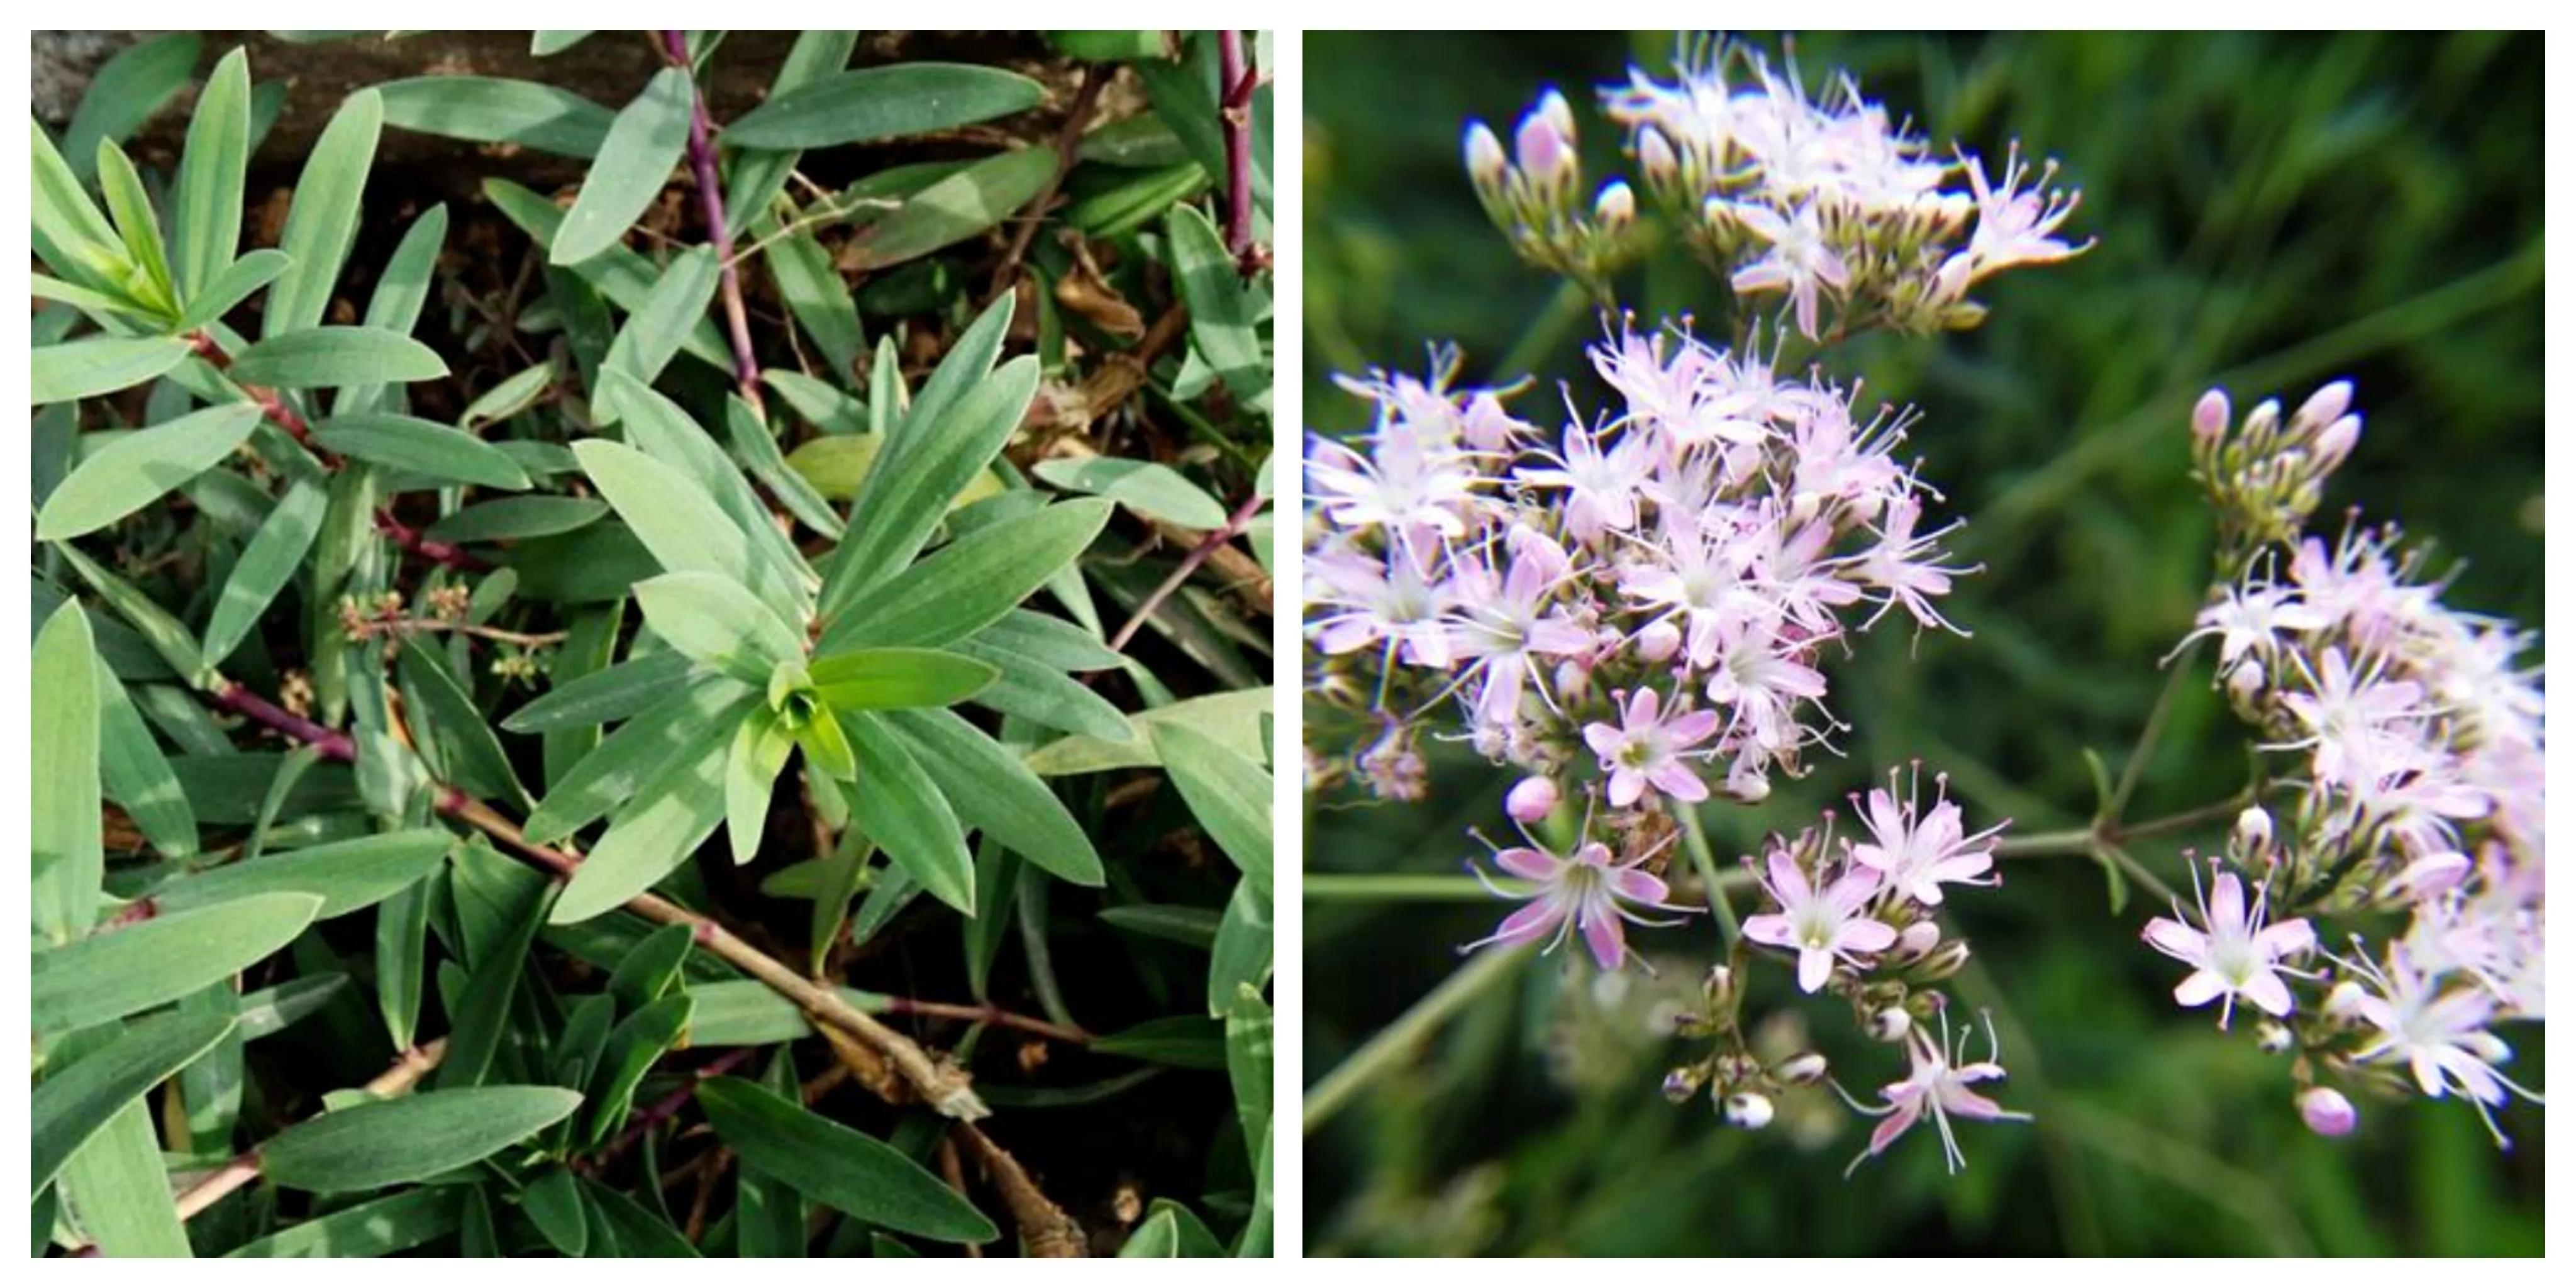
<point>972,201</point>
<point>746,1012</point>
<point>553,1204</point>
<point>516,518</point>
<point>626,689</point>
<point>452,729</point>
<point>633,1047</point>
<point>508,398</point>
<point>1233,718</point>
<point>635,160</point>
<point>131,209</point>
<point>69,860</point>
<point>651,969</point>
<point>376,1228</point>
<point>229,286</point>
<point>619,273</point>
<point>1158,1235</point>
<point>883,103</point>
<point>1179,923</point>
<point>1154,491</point>
<point>905,813</point>
<point>687,724</point>
<point>119,1190</point>
<point>130,89</point>
<point>660,429</point>
<point>971,582</point>
<point>674,517</point>
<point>833,1165</point>
<point>956,427</point>
<point>100,365</point>
<point>653,335</point>
<point>137,967</point>
<point>492,109</point>
<point>265,566</point>
<point>346,875</point>
<point>758,451</point>
<point>441,452</point>
<point>1249,1062</point>
<point>270,1011</point>
<point>1183,1041</point>
<point>718,623</point>
<point>878,678</point>
<point>546,44</point>
<point>136,774</point>
<point>990,789</point>
<point>139,468</point>
<point>1229,792</point>
<point>1224,311</point>
<point>72,1104</point>
<point>1038,692</point>
<point>402,291</point>
<point>158,628</point>
<point>206,222</point>
<point>70,233</point>
<point>317,357</point>
<point>1240,956</point>
<point>323,222</point>
<point>760,748</point>
<point>393,1142</point>
<point>677,809</point>
<point>811,286</point>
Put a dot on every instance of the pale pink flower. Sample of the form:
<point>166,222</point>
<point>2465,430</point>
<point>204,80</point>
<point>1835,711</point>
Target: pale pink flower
<point>1600,485</point>
<point>2234,953</point>
<point>2348,712</point>
<point>1915,850</point>
<point>1585,893</point>
<point>1907,568</point>
<point>2440,1034</point>
<point>2250,621</point>
<point>1822,922</point>
<point>1939,1085</point>
<point>1800,261</point>
<point>1398,599</point>
<point>1505,622</point>
<point>1648,747</point>
<point>1403,482</point>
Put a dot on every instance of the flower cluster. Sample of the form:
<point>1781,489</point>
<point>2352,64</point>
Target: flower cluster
<point>2409,740</point>
<point>1819,201</point>
<point>1653,593</point>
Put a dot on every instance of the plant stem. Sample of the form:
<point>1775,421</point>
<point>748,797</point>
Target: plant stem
<point>1068,142</point>
<point>1393,1044</point>
<point>2130,773</point>
<point>661,1110</point>
<point>2081,840</point>
<point>702,162</point>
<point>944,1087</point>
<point>1543,332</point>
<point>1695,837</point>
<point>986,1013</point>
<point>1235,84</point>
<point>409,1068</point>
<point>1208,545</point>
<point>1400,887</point>
<point>270,402</point>
<point>445,554</point>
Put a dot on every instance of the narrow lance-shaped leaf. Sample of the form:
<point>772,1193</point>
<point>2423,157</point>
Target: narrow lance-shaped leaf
<point>134,968</point>
<point>903,809</point>
<point>991,789</point>
<point>323,222</point>
<point>69,860</point>
<point>316,357</point>
<point>441,452</point>
<point>138,469</point>
<point>836,1166</point>
<point>883,103</point>
<point>1229,792</point>
<point>271,559</point>
<point>71,1104</point>
<point>972,581</point>
<point>878,678</point>
<point>635,160</point>
<point>718,623</point>
<point>393,1142</point>
<point>100,365</point>
<point>206,223</point>
<point>491,109</point>
<point>347,875</point>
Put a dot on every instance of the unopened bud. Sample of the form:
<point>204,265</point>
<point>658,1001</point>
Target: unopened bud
<point>1799,1070</point>
<point>2335,443</point>
<point>1890,1025</point>
<point>2263,420</point>
<point>1947,960</point>
<point>1918,938</point>
<point>1659,641</point>
<point>1531,799</point>
<point>1545,154</point>
<point>1655,156</point>
<point>1750,1110</point>
<point>2343,1001</point>
<point>2328,403</point>
<point>2253,831</point>
<point>1719,988</point>
<point>2326,1111</point>
<point>2272,1037</point>
<point>2245,681</point>
<point>1747,784</point>
<point>1552,105</point>
<point>1485,159</point>
<point>2209,416</point>
<point>1682,1082</point>
<point>1615,207</point>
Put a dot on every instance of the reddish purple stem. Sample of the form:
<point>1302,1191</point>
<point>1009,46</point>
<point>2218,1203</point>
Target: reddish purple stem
<point>238,698</point>
<point>702,161</point>
<point>1234,105</point>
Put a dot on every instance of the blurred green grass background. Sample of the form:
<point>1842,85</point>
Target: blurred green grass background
<point>2273,212</point>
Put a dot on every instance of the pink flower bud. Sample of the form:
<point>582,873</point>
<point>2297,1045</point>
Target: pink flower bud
<point>2344,1000</point>
<point>2273,1037</point>
<point>1655,156</point>
<point>1552,105</point>
<point>2253,831</point>
<point>1546,155</point>
<point>2335,443</point>
<point>1682,1083</point>
<point>1750,1110</point>
<point>1799,1070</point>
<point>1485,159</point>
<point>1918,938</point>
<point>2209,416</point>
<point>1615,207</point>
<point>1891,1025</point>
<point>1531,799</point>
<point>1659,641</point>
<point>2326,1111</point>
<point>2326,404</point>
